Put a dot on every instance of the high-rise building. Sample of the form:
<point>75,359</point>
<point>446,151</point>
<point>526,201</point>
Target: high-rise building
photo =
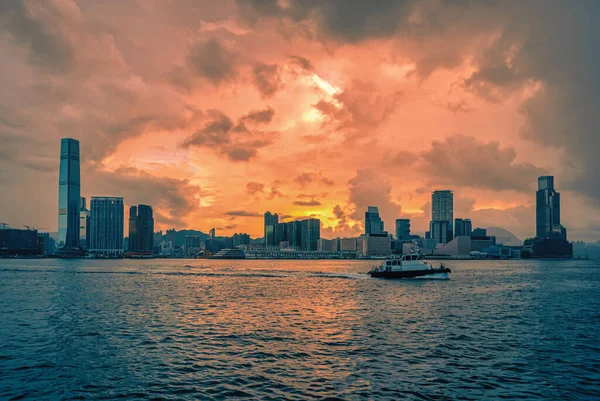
<point>84,224</point>
<point>171,236</point>
<point>270,229</point>
<point>310,232</point>
<point>373,223</point>
<point>193,245</point>
<point>441,231</point>
<point>106,226</point>
<point>241,239</point>
<point>459,228</point>
<point>141,229</point>
<point>442,206</point>
<point>442,216</point>
<point>69,193</point>
<point>547,210</point>
<point>402,229</point>
<point>467,227</point>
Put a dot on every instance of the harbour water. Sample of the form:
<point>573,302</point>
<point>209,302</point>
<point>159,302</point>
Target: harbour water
<point>271,330</point>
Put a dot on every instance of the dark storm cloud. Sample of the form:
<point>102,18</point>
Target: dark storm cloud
<point>211,60</point>
<point>48,48</point>
<point>461,160</point>
<point>267,78</point>
<point>233,141</point>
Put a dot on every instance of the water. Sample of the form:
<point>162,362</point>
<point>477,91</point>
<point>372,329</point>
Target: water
<point>92,329</point>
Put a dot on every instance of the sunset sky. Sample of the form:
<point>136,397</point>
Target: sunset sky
<point>214,112</point>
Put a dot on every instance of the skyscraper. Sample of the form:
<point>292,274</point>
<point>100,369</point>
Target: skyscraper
<point>141,228</point>
<point>310,230</point>
<point>402,229</point>
<point>373,223</point>
<point>106,226</point>
<point>467,227</point>
<point>547,210</point>
<point>271,221</point>
<point>442,216</point>
<point>69,193</point>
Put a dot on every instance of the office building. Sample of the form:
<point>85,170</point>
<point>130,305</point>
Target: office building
<point>270,229</point>
<point>84,224</point>
<point>348,244</point>
<point>479,232</point>
<point>547,210</point>
<point>442,216</point>
<point>193,245</point>
<point>310,232</point>
<point>374,245</point>
<point>106,226</point>
<point>69,193</point>
<point>16,242</point>
<point>241,239</point>
<point>328,245</point>
<point>373,223</point>
<point>141,229</point>
<point>441,231</point>
<point>402,229</point>
<point>171,236</point>
<point>463,227</point>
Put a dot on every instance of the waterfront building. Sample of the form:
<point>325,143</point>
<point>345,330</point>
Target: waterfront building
<point>374,245</point>
<point>463,227</point>
<point>441,231</point>
<point>106,226</point>
<point>348,244</point>
<point>467,227</point>
<point>402,229</point>
<point>310,230</point>
<point>193,245</point>
<point>16,242</point>
<point>241,239</point>
<point>270,229</point>
<point>442,216</point>
<point>328,245</point>
<point>141,229</point>
<point>69,196</point>
<point>547,210</point>
<point>373,223</point>
<point>84,224</point>
<point>479,232</point>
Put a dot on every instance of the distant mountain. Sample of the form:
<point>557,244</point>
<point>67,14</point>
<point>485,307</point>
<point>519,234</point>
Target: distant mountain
<point>504,236</point>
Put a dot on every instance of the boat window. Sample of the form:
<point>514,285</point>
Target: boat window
<point>388,263</point>
<point>395,263</point>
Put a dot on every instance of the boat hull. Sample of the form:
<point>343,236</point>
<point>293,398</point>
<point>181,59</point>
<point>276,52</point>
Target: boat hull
<point>408,273</point>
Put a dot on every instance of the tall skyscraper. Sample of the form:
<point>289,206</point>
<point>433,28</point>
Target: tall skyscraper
<point>402,229</point>
<point>141,228</point>
<point>69,193</point>
<point>106,226</point>
<point>547,210</point>
<point>442,216</point>
<point>373,223</point>
<point>84,224</point>
<point>271,221</point>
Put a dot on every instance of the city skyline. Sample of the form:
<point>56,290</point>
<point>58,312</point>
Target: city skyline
<point>219,128</point>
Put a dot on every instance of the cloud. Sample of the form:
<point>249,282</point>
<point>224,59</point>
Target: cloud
<point>211,60</point>
<point>308,178</point>
<point>302,62</point>
<point>459,160</point>
<point>459,106</point>
<point>312,202</point>
<point>359,109</point>
<point>255,187</point>
<point>233,141</point>
<point>174,199</point>
<point>267,78</point>
<point>242,213</point>
<point>49,48</point>
<point>369,187</point>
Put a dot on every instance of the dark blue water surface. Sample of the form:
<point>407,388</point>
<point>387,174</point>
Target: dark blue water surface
<point>92,329</point>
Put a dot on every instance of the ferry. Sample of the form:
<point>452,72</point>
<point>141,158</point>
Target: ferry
<point>407,266</point>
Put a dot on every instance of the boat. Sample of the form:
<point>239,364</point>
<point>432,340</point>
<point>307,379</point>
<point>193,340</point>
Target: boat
<point>407,266</point>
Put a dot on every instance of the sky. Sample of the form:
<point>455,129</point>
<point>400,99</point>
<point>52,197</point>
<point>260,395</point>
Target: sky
<point>215,112</point>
